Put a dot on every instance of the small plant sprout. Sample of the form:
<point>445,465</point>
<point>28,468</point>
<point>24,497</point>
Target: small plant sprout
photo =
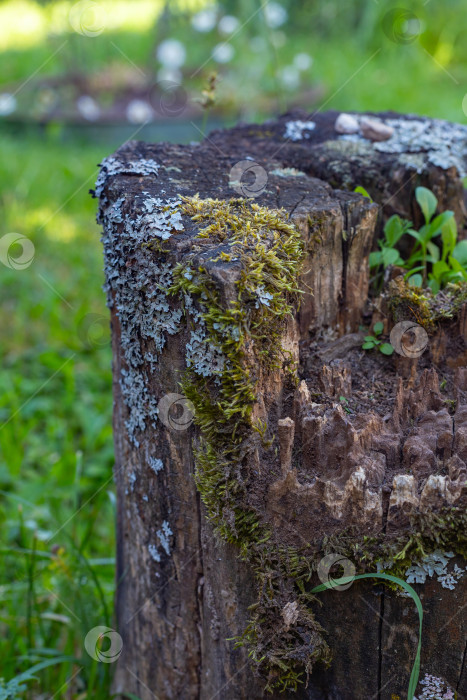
<point>425,250</point>
<point>361,190</point>
<point>448,261</point>
<point>372,341</point>
<point>345,404</point>
<point>388,254</point>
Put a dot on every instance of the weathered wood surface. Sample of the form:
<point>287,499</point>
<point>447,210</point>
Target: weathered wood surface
<point>428,152</point>
<point>182,593</point>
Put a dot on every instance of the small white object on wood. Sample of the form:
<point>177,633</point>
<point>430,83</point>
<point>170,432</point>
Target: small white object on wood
<point>347,124</point>
<point>375,130</point>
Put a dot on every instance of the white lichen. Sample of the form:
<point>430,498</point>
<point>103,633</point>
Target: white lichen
<point>117,166</point>
<point>164,535</point>
<point>156,464</point>
<point>202,356</point>
<point>136,285</point>
<point>296,130</point>
<point>264,297</point>
<point>435,564</point>
<point>435,688</point>
<point>441,143</point>
<point>152,549</point>
<point>287,172</point>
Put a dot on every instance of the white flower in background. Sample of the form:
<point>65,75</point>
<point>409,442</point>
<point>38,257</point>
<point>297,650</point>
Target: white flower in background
<point>223,53</point>
<point>204,21</point>
<point>290,77</point>
<point>173,75</point>
<point>275,14</point>
<point>7,104</point>
<point>258,44</point>
<point>138,112</point>
<point>171,53</point>
<point>303,61</point>
<point>228,24</point>
<point>88,107</point>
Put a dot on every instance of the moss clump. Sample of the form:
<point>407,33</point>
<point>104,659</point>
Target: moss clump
<point>445,530</point>
<point>266,251</point>
<point>412,303</point>
<point>427,532</point>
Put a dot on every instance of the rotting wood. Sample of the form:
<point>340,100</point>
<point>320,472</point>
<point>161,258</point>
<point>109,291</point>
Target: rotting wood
<point>371,465</point>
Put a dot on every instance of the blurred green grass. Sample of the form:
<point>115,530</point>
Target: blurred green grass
<point>56,451</point>
<point>56,454</point>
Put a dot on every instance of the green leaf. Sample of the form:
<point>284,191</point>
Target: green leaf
<point>460,253</point>
<point>434,285</point>
<point>413,270</point>
<point>439,221</point>
<point>414,234</point>
<point>375,259</point>
<point>386,349</point>
<point>368,346</point>
<point>413,682</point>
<point>416,281</point>
<point>13,686</point>
<point>367,338</point>
<point>439,268</point>
<point>434,252</point>
<point>378,328</point>
<point>449,236</point>
<point>457,267</point>
<point>427,202</point>
<point>416,258</point>
<point>390,256</point>
<point>425,233</point>
<point>456,276</point>
<point>393,230</point>
<point>362,190</point>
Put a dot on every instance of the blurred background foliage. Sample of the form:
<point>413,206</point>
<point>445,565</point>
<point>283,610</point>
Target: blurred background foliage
<point>78,79</point>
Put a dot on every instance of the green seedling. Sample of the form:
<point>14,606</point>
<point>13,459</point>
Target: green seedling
<point>428,263</point>
<point>373,341</point>
<point>363,191</point>
<point>345,404</point>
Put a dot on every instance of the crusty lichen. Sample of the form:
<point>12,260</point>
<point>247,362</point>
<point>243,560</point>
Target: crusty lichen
<point>138,291</point>
<point>419,140</point>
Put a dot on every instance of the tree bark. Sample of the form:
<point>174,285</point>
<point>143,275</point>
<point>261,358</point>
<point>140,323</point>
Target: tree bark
<point>336,464</point>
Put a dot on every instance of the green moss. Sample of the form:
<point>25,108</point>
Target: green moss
<point>247,331</point>
<point>427,309</point>
<point>444,530</point>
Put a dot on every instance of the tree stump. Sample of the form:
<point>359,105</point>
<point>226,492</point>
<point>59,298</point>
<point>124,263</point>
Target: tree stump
<point>257,443</point>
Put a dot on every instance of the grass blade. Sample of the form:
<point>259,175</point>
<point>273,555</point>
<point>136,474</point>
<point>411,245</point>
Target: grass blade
<point>413,594</point>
